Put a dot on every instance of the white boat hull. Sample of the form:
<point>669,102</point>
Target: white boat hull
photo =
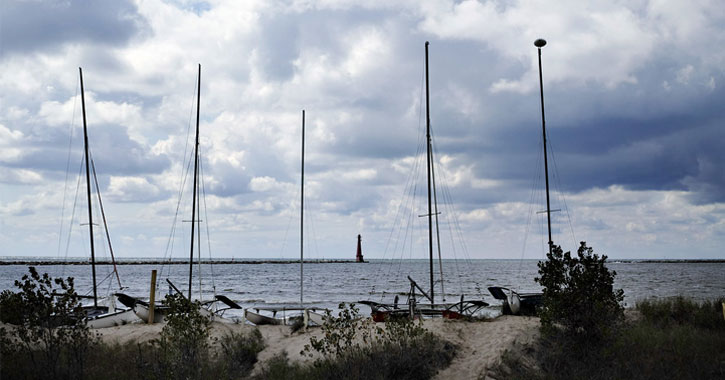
<point>142,311</point>
<point>117,318</point>
<point>259,319</point>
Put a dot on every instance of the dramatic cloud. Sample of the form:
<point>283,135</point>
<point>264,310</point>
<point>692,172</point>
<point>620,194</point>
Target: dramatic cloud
<point>633,106</point>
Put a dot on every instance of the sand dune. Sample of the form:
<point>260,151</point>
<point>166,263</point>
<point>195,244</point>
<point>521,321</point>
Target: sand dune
<point>480,344</point>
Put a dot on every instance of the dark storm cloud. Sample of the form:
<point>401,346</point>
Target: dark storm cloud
<point>28,25</point>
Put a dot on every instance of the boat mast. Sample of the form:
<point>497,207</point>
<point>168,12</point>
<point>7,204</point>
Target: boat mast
<point>196,167</point>
<point>88,190</point>
<point>539,44</point>
<point>302,210</point>
<point>427,136</point>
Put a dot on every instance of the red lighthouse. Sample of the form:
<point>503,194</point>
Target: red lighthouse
<point>359,256</point>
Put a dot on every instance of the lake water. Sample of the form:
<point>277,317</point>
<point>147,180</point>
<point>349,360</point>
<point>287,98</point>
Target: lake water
<point>328,284</point>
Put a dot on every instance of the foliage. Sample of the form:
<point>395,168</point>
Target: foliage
<point>184,342</point>
<point>340,333</point>
<point>239,352</point>
<point>579,294</point>
<point>643,348</point>
<point>49,333</point>
<point>683,311</point>
<point>354,348</point>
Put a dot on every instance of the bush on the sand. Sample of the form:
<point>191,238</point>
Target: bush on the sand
<point>239,352</point>
<point>353,348</point>
<point>579,295</point>
<point>183,348</point>
<point>49,338</point>
<point>672,339</point>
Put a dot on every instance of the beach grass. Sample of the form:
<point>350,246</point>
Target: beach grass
<point>674,338</point>
<point>234,359</point>
<point>416,358</point>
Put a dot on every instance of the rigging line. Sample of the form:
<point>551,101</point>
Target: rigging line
<point>448,203</point>
<point>184,177</point>
<point>289,223</point>
<point>410,206</point>
<point>72,216</point>
<point>536,182</point>
<point>404,208</point>
<point>311,228</point>
<point>105,223</point>
<point>435,211</point>
<point>396,226</point>
<point>206,217</point>
<point>557,178</point>
<point>182,182</point>
<point>452,215</point>
<point>198,236</point>
<point>67,169</point>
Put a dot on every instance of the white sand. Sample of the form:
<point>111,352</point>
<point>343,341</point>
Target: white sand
<point>480,344</point>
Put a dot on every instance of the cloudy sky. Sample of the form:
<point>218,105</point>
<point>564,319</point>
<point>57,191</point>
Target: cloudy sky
<point>634,106</point>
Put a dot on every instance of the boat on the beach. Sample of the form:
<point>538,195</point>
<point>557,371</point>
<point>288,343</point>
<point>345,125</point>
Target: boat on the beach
<point>208,308</point>
<point>514,302</point>
<point>418,301</point>
<point>270,315</point>
<point>98,315</point>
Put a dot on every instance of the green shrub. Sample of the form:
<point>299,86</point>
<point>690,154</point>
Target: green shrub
<point>579,295</point>
<point>355,348</point>
<point>670,341</point>
<point>50,338</point>
<point>239,352</point>
<point>183,348</point>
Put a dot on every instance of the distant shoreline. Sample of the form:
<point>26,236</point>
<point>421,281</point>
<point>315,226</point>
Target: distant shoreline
<point>172,262</point>
<point>666,261</point>
<point>310,261</point>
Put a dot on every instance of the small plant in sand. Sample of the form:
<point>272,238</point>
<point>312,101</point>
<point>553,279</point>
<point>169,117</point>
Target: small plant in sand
<point>49,338</point>
<point>239,352</point>
<point>353,347</point>
<point>340,334</point>
<point>579,294</point>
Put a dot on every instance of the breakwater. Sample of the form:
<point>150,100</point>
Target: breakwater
<point>170,262</point>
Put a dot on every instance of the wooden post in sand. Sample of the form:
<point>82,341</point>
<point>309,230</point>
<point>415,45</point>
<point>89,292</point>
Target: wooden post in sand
<point>152,297</point>
<point>723,309</point>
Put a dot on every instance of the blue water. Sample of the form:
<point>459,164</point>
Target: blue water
<point>328,284</point>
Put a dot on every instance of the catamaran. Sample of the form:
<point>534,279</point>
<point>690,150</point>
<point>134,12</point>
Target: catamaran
<point>208,308</point>
<point>279,315</point>
<point>97,315</point>
<point>513,301</point>
<point>421,302</point>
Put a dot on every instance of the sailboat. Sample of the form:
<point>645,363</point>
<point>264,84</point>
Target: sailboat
<point>310,314</point>
<point>527,303</point>
<point>421,302</point>
<point>140,307</point>
<point>98,316</point>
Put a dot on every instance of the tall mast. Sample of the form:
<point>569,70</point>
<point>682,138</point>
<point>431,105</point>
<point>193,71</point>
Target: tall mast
<point>302,211</point>
<point>196,168</point>
<point>427,136</point>
<point>539,44</point>
<point>88,190</point>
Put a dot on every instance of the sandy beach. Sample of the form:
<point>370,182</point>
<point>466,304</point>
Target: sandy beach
<point>480,344</point>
